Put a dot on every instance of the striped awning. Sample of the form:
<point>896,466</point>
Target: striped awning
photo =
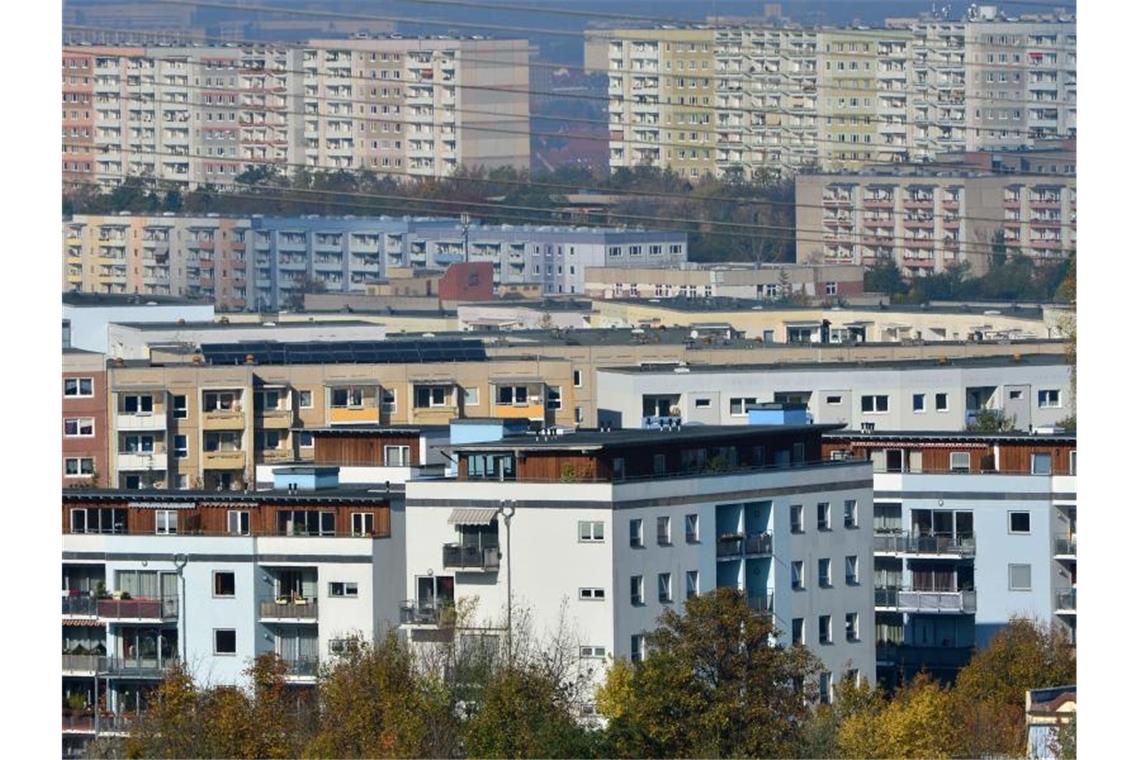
<point>472,516</point>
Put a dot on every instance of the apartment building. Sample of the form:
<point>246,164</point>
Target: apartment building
<point>783,98</point>
<point>970,529</point>
<point>945,394</point>
<point>762,281</point>
<point>267,262</point>
<point>610,529</point>
<point>204,114</point>
<point>929,221</point>
<point>137,340</point>
<point>84,414</point>
<point>214,579</point>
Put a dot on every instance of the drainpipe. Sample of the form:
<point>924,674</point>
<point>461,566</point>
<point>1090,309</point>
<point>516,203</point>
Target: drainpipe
<point>180,561</point>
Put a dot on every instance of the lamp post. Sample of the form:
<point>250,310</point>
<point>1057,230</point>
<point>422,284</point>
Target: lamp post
<point>507,510</point>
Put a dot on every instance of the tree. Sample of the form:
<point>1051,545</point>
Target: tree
<point>713,684</point>
<point>1064,744</point>
<point>884,277</point>
<point>990,690</point>
<point>992,421</point>
<point>169,727</point>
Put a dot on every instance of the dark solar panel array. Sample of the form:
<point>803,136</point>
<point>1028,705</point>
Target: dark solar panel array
<point>346,352</point>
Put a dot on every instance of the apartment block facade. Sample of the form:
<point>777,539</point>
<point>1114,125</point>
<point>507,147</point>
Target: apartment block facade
<point>610,529</point>
<point>970,530</point>
<point>202,115</point>
<point>84,451</point>
<point>213,580</point>
<point>785,98</point>
<point>266,262</point>
<point>927,222</point>
<point>1034,391</point>
<point>770,281</point>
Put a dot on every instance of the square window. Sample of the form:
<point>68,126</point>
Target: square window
<point>876,404</point>
<point>665,587</point>
<point>224,583</point>
<point>305,439</point>
<point>1042,464</point>
<point>797,575</point>
<point>636,533</point>
<point>471,396</point>
<point>941,402</point>
<point>824,573</point>
<point>1020,577</point>
<point>959,461</point>
<point>1049,399</point>
<point>797,518</point>
<point>225,641</point>
<point>1019,522</point>
<point>591,531</point>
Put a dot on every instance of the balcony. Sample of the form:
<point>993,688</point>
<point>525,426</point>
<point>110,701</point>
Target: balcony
<point>936,546</point>
<point>79,606</point>
<point>273,418</point>
<point>735,545</point>
<point>1065,547</point>
<point>140,421</point>
<point>929,602</point>
<point>155,460</point>
<point>86,664</point>
<point>343,415</point>
<point>139,610</point>
<point>1066,602</point>
<point>223,460</point>
<point>285,610</point>
<point>223,419</point>
<point>484,558</point>
<point>138,667</point>
<point>415,614</point>
<point>302,669</point>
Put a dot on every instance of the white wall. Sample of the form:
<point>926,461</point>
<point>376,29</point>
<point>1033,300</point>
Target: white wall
<point>89,323</point>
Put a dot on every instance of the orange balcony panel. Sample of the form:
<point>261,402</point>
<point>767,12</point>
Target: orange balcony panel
<point>530,412</point>
<point>349,416</point>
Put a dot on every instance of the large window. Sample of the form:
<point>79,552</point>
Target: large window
<point>305,522</point>
<point>79,427</point>
<point>430,396</point>
<point>738,407</point>
<point>397,456</point>
<point>490,466</point>
<point>511,395</point>
<point>876,404</point>
<point>98,520</point>
<point>166,521</point>
<point>78,387</point>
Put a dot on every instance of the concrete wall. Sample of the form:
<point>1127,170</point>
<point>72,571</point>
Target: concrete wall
<point>89,324</point>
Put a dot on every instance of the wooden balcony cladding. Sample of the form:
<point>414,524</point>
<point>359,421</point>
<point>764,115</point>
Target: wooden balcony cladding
<point>362,450</point>
<point>560,466</point>
<point>1007,457</point>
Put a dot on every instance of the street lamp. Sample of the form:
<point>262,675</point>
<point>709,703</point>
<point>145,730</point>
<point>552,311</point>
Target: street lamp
<point>507,510</point>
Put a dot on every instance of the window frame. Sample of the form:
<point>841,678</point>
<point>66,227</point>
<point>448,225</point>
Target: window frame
<point>959,468</point>
<point>823,572</point>
<point>79,425</point>
<point>79,382</point>
<point>1029,570</point>
<point>823,516</point>
<point>692,583</point>
<point>851,517</point>
<point>1043,398</point>
<point>944,406</point>
<point>242,515</point>
<point>591,594</point>
<point>875,398</point>
<point>214,641</point>
<point>348,589</point>
<point>794,511</point>
<point>665,538</point>
<point>214,585</point>
<point>851,569</point>
<point>637,590</point>
<point>596,532</point>
<point>851,626</point>
<point>694,536</point>
<point>796,574</point>
<point>827,637</point>
<point>367,523</point>
<point>1028,522</point>
<point>637,539</point>
<point>165,530</point>
<point>918,403</point>
<point>665,588</point>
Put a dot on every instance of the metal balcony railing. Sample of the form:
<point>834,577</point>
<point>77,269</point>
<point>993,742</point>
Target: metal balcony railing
<point>288,608</point>
<point>86,663</point>
<point>476,557</point>
<point>143,608</point>
<point>911,600</point>
<point>302,667</point>
<point>79,605</point>
<point>907,543</point>
<point>416,613</point>
<point>739,544</point>
<point>145,666</point>
<point>1065,546</point>
<point>1067,600</point>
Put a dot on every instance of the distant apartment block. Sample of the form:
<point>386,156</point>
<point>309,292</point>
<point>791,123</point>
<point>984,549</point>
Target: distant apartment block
<point>765,281</point>
<point>744,100</point>
<point>268,262</point>
<point>203,114</point>
<point>927,221</point>
<point>970,529</point>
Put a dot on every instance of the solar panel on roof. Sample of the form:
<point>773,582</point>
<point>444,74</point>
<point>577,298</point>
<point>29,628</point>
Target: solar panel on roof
<point>319,352</point>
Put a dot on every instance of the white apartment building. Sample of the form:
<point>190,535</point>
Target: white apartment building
<point>215,579</point>
<point>970,530</point>
<point>745,100</point>
<point>609,529</point>
<point>905,395</point>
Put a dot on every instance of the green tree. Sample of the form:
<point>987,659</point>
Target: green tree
<point>992,421</point>
<point>169,727</point>
<point>1064,743</point>
<point>713,684</point>
<point>884,277</point>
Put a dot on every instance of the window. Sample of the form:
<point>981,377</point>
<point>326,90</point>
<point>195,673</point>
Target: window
<point>692,529</point>
<point>225,641</point>
<point>797,575</point>
<point>591,531</point>
<point>664,531</point>
<point>659,464</point>
<point>138,404</point>
<point>1020,578</point>
<point>591,652</point>
<point>166,522</point>
<point>388,400</point>
<point>1042,464</point>
<point>591,594</point>
<point>959,461</point>
<point>305,399</point>
<point>850,513</point>
<point>343,589</point>
<point>1015,395</point>
<point>237,522</point>
<point>851,564</point>
<point>512,395</point>
<point>305,439</point>
<point>738,407</point>
<point>852,626</point>
<point>665,587</point>
<point>363,523</point>
<point>79,427</point>
<point>1019,522</point>
<point>224,583</point>
<point>918,402</point>
<point>428,396</point>
<point>471,396</point>
<point>636,533</point>
<point>875,404</point>
<point>798,631</point>
<point>825,629</point>
<point>217,401</point>
<point>825,688</point>
<point>554,398</point>
<point>636,590</point>
<point>797,518</point>
<point>637,647</point>
<point>824,573</point>
<point>397,456</point>
<point>941,402</point>
<point>833,400</point>
<point>703,403</point>
<point>823,515</point>
<point>577,378</point>
<point>1049,399</point>
<point>78,387</point>
<point>692,583</point>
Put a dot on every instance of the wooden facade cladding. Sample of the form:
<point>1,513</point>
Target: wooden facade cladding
<point>209,517</point>
<point>1009,457</point>
<point>363,449</point>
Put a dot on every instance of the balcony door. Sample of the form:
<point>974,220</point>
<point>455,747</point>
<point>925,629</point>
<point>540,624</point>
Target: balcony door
<point>435,591</point>
<point>296,643</point>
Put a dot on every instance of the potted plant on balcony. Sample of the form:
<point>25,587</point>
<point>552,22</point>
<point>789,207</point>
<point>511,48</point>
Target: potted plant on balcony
<point>101,591</point>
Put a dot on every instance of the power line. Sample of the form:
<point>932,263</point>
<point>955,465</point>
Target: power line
<point>480,127</point>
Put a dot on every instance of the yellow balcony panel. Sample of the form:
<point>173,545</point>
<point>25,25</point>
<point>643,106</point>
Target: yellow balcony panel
<point>223,460</point>
<point>275,418</point>
<point>435,415</point>
<point>276,455</point>
<point>223,420</point>
<point>350,416</point>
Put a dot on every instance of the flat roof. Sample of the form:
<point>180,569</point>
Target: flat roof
<point>356,493</point>
<point>724,303</point>
<point>950,435</point>
<point>596,440</point>
<point>374,429</point>
<point>216,325</point>
<point>128,299</point>
<point>1031,360</point>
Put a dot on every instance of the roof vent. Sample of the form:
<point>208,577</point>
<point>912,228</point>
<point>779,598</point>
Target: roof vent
<point>249,359</point>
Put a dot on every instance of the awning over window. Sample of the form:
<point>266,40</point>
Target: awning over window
<point>472,516</point>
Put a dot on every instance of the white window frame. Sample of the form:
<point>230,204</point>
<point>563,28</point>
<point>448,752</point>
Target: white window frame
<point>79,382</point>
<point>237,516</point>
<point>945,407</point>
<point>301,394</point>
<point>553,398</point>
<point>214,642</point>
<point>1049,398</point>
<point>667,521</point>
<point>79,423</point>
<point>163,519</point>
<point>183,451</point>
<point>403,460</point>
<point>745,401</point>
<point>851,514</point>
<point>576,377</point>
<point>344,589</point>
<point>214,584</point>
<point>957,456</point>
<point>305,435</point>
<point>851,626</point>
<point>591,594</point>
<point>1009,522</point>
<point>1033,463</point>
<point>921,408</point>
<point>79,473</point>
<point>826,526</point>
<point>875,398</point>
<point>591,531</point>
<point>471,396</point>
<point>1011,566</point>
<point>589,652</point>
<point>363,523</point>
